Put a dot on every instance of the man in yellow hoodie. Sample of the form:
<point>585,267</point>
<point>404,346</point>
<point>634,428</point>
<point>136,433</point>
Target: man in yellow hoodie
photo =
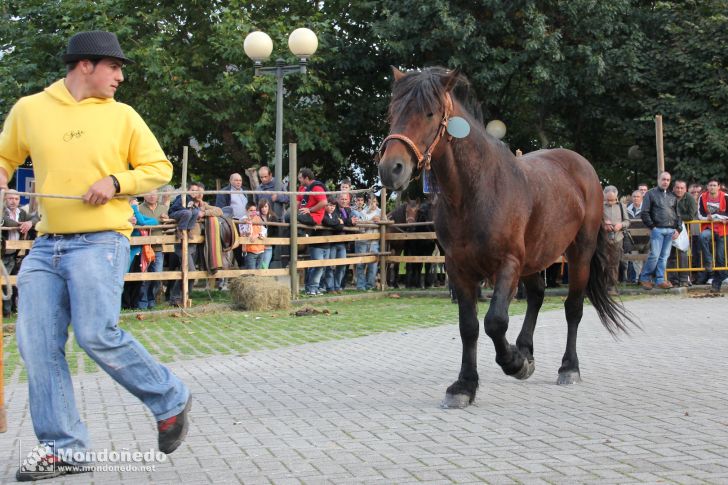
<point>84,144</point>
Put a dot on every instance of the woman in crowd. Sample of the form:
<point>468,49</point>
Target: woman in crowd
<point>267,215</point>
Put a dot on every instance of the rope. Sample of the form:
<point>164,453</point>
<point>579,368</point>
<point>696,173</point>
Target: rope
<point>203,192</point>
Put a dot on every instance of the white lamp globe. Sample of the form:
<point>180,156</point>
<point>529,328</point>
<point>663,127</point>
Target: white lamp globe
<point>258,46</point>
<point>496,128</point>
<point>303,42</point>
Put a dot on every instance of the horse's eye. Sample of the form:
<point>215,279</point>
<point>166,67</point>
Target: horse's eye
<point>429,115</point>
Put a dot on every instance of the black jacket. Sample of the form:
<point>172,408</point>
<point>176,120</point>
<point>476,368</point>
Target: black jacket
<point>331,223</point>
<point>659,209</point>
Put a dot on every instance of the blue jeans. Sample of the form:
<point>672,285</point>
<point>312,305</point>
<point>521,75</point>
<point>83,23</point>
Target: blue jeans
<point>366,273</point>
<point>660,245</point>
<point>148,291</point>
<point>186,218</point>
<point>81,275</point>
<point>334,275</point>
<point>254,261</point>
<point>267,257</point>
<point>710,260</point>
<point>313,275</point>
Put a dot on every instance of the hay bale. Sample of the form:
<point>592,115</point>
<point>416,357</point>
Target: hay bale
<point>259,293</point>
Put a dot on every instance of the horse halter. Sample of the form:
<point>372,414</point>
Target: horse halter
<point>424,159</point>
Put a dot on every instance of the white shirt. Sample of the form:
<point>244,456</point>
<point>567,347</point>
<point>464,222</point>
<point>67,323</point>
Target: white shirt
<point>369,214</point>
<point>14,215</point>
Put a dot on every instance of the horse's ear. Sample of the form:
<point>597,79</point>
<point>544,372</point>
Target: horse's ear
<point>397,74</point>
<point>450,80</point>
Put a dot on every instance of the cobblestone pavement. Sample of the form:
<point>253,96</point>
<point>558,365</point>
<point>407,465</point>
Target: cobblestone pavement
<point>653,408</point>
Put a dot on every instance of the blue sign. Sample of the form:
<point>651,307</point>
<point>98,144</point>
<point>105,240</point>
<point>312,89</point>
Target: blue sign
<point>24,182</point>
<point>429,183</point>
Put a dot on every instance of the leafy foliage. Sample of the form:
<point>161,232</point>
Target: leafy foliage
<point>580,74</point>
<point>687,82</point>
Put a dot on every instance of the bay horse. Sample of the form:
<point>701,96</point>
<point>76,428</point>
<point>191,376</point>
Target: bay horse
<point>499,217</point>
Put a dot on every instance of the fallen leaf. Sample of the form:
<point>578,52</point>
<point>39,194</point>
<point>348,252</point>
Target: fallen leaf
<point>140,316</point>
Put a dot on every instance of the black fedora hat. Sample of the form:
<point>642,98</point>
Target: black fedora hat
<point>96,44</point>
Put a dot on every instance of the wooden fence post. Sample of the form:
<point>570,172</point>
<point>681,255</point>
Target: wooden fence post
<point>383,241</point>
<point>293,216</point>
<point>660,146</point>
<point>184,242</point>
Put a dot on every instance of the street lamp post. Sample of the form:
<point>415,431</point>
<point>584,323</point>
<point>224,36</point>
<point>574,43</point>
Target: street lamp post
<point>258,46</point>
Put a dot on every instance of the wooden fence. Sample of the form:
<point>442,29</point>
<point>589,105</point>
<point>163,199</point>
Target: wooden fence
<point>184,275</point>
<point>383,256</point>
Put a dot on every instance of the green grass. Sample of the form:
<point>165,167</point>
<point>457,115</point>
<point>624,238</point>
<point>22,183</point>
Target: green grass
<point>217,330</point>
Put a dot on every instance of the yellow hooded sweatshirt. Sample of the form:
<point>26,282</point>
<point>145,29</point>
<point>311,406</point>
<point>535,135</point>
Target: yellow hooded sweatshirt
<point>75,144</point>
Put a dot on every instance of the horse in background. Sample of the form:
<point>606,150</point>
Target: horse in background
<point>501,218</point>
<point>421,247</point>
<point>405,213</point>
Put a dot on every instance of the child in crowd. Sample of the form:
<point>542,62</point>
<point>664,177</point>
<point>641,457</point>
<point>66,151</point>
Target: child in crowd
<point>254,250</point>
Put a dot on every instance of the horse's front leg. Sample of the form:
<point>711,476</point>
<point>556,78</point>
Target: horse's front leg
<point>512,361</point>
<point>534,296</point>
<point>462,392</point>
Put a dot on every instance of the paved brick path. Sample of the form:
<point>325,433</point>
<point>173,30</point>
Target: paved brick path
<point>652,408</point>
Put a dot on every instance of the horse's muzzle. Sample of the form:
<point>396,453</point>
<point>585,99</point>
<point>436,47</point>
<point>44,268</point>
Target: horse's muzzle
<point>395,173</point>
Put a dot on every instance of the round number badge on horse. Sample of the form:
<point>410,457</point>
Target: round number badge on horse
<point>458,127</point>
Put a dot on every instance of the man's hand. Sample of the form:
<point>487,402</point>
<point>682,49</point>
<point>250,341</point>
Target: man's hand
<point>675,234</point>
<point>3,179</point>
<point>304,210</point>
<point>101,192</point>
<point>24,227</point>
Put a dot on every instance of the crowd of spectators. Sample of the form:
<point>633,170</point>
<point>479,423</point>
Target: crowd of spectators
<point>632,259</point>
<point>255,217</point>
<point>663,210</point>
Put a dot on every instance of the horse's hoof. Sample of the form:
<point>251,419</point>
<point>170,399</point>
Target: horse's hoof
<point>455,401</point>
<point>526,370</point>
<point>569,377</point>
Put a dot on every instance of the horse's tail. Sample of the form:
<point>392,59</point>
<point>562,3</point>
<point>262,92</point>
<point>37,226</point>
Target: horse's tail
<point>613,315</point>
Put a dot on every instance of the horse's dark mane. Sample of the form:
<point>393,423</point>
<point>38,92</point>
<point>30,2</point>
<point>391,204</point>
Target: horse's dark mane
<point>424,91</point>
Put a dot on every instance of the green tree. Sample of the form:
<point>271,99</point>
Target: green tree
<point>685,74</point>
<point>580,74</point>
<point>191,78</point>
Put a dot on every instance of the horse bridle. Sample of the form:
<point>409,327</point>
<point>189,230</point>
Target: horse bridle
<point>424,159</point>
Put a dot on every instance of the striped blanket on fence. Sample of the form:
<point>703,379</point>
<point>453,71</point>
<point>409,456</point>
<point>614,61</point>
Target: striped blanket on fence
<point>213,245</point>
<point>221,236</point>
